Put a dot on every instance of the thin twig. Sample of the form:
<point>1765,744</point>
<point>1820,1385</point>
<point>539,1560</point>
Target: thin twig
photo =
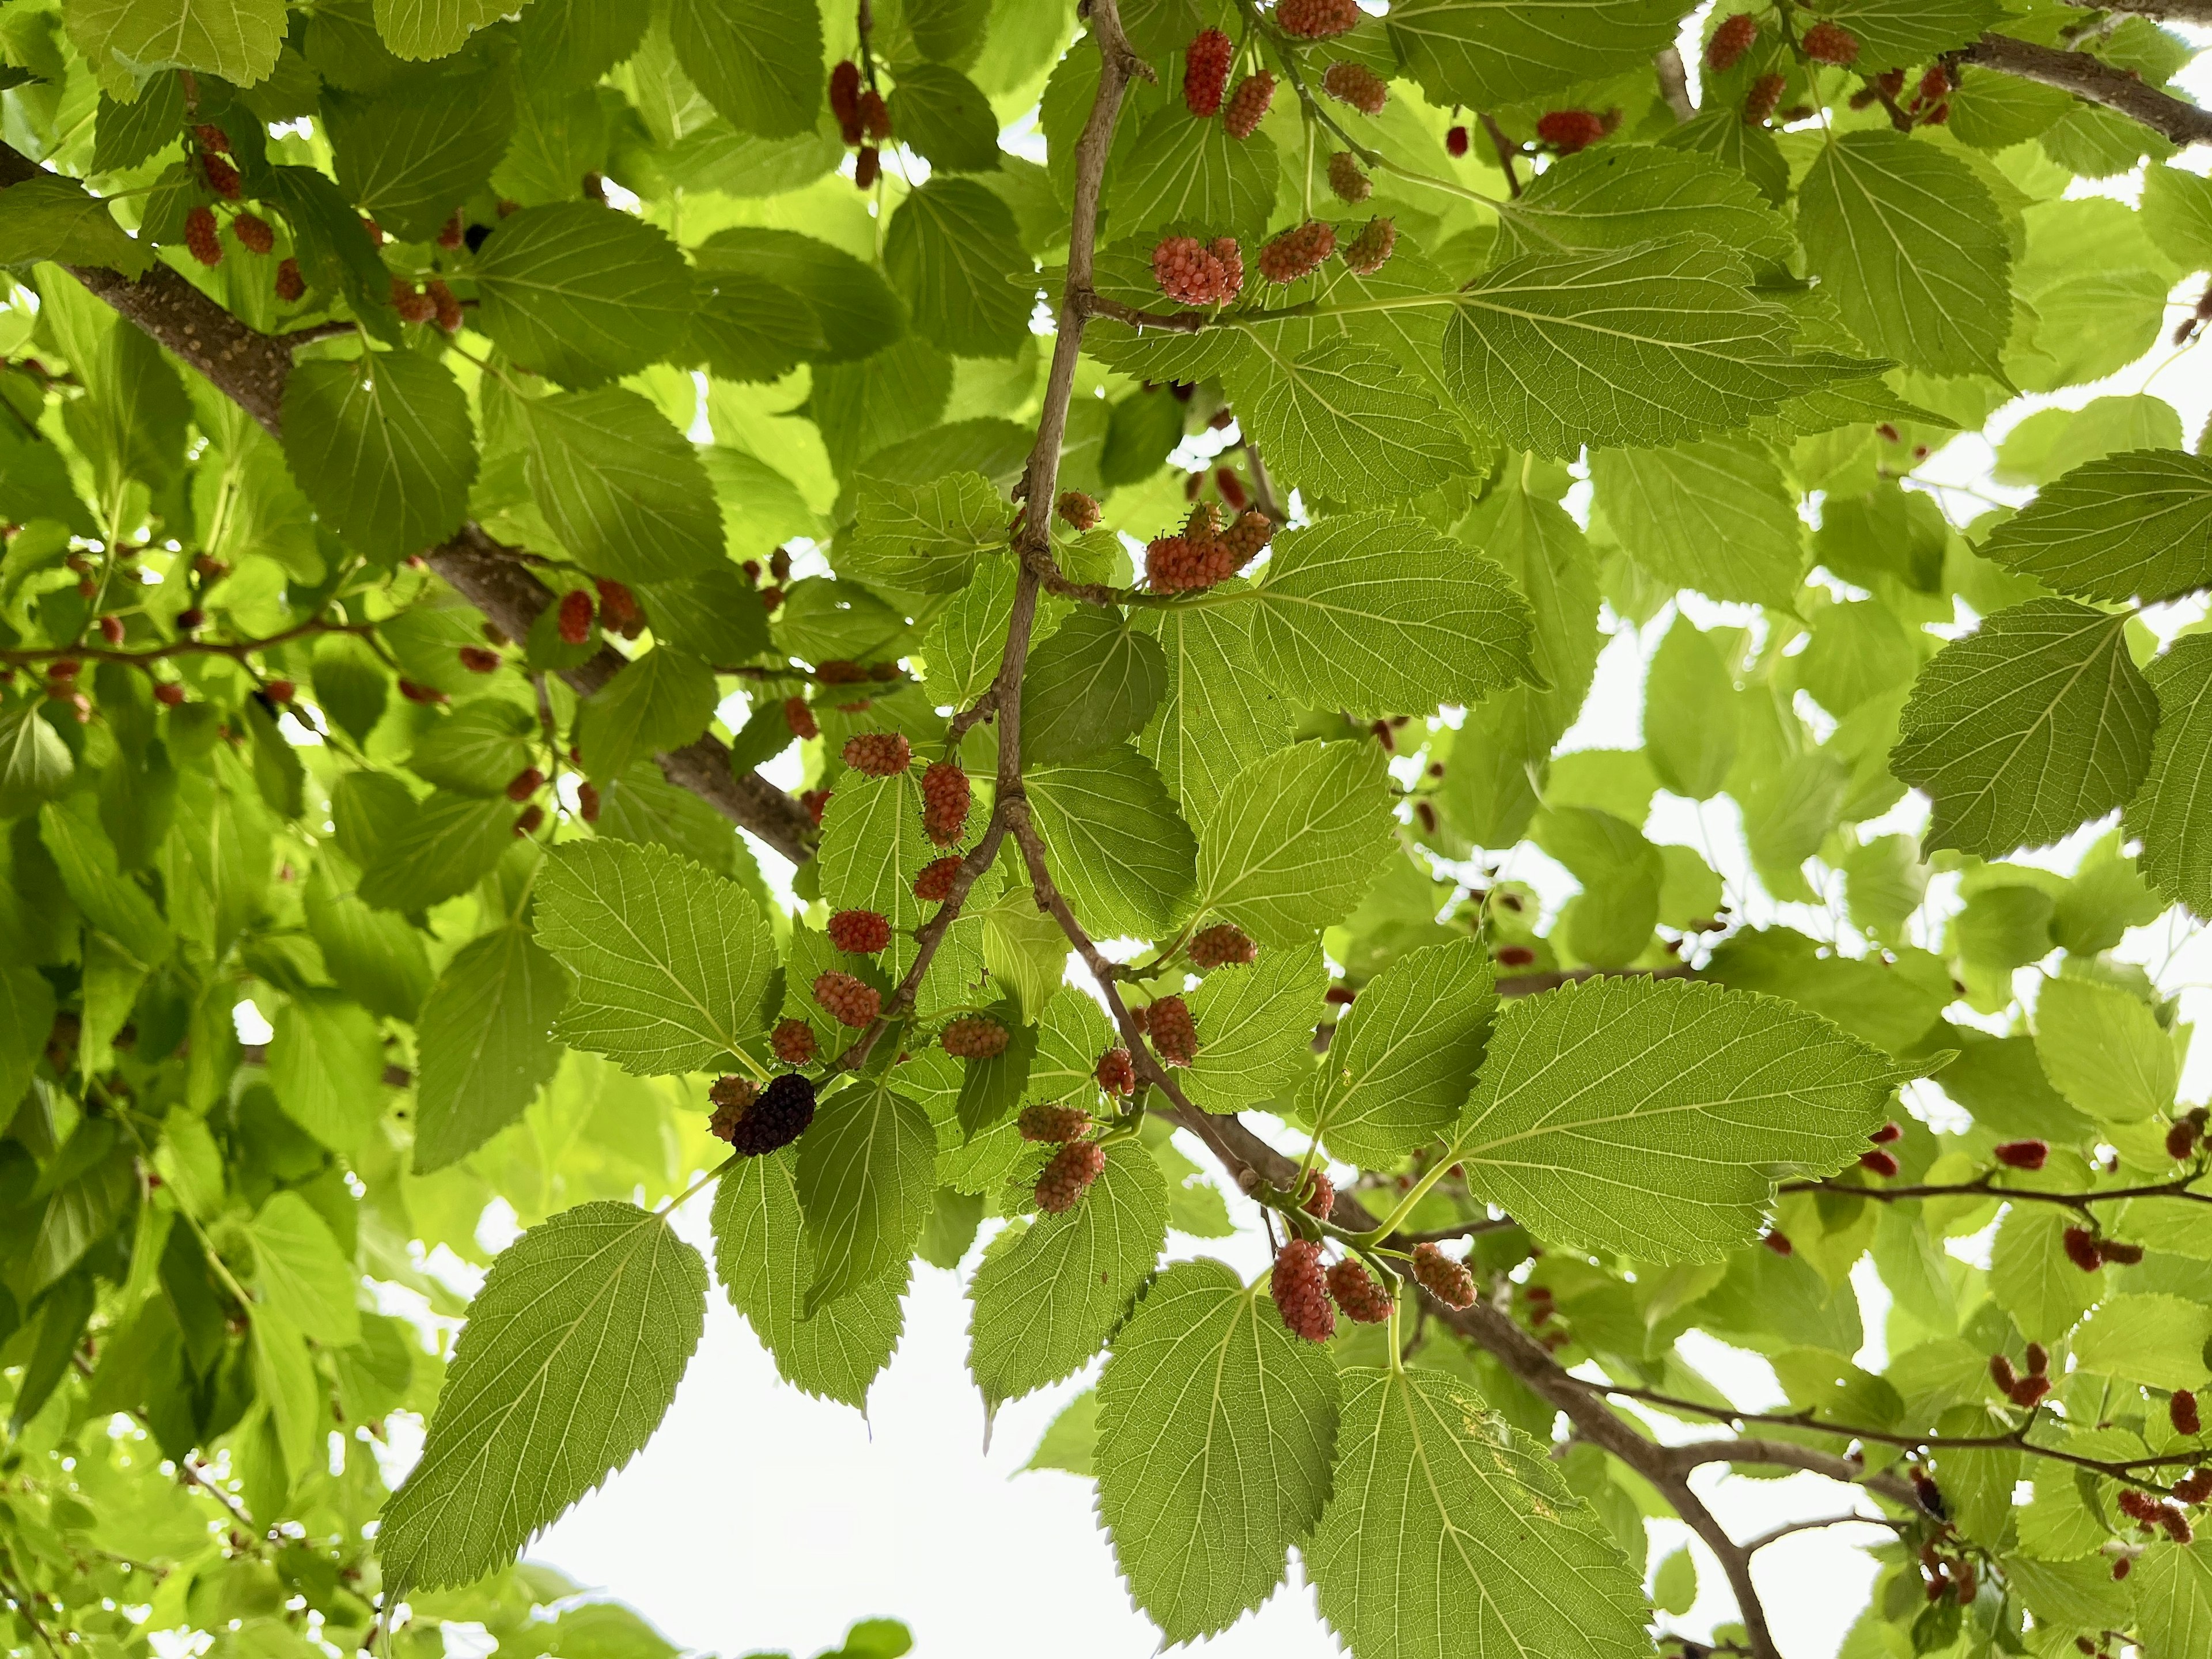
<point>1506,149</point>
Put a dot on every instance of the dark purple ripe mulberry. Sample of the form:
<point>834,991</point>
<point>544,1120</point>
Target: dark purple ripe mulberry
<point>770,1121</point>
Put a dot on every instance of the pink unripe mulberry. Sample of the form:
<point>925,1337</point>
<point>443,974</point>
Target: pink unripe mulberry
<point>2080,1248</point>
<point>1077,510</point>
<point>1320,1194</point>
<point>1764,94</point>
<point>794,1042</point>
<point>1301,1291</point>
<point>1117,1072</point>
<point>1567,131</point>
<point>1206,71</point>
<point>253,232</point>
<point>290,284</point>
<point>1224,945</point>
<point>1447,1280</point>
<point>1248,105</point>
<point>1175,1038</point>
<point>859,933</point>
<point>200,236</point>
<point>1068,1176</point>
<point>878,754</point>
<point>850,1002</point>
<point>1830,43</point>
<point>2021,1154</point>
<point>1297,251</point>
<point>1367,252</point>
<point>799,718</point>
<point>1047,1123</point>
<point>575,619</point>
<point>1316,20</point>
<point>944,801</point>
<point>1364,1300</point>
<point>1345,179</point>
<point>934,885</point>
<point>1193,274</point>
<point>1356,85</point>
<point>1730,41</point>
<point>972,1037</point>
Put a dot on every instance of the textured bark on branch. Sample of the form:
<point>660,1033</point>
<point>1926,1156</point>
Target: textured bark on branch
<point>2096,81</point>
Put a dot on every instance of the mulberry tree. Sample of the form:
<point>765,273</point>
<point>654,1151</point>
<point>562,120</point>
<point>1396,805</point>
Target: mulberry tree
<point>948,632</point>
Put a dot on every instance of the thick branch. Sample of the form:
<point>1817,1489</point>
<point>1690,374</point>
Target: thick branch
<point>2097,81</point>
<point>1673,81</point>
<point>2172,11</point>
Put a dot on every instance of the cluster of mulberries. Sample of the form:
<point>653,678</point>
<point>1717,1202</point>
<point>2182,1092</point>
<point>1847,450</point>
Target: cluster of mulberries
<point>1830,43</point>
<point>1116,1072</point>
<point>934,885</point>
<point>1206,71</point>
<point>1730,41</point>
<point>1316,20</point>
<point>2088,1252</point>
<point>1248,105</point>
<point>859,932</point>
<point>850,1002</point>
<point>971,1036</point>
<point>1175,1038</point>
<point>944,801</point>
<point>1069,1174</point>
<point>794,1042</point>
<point>1345,179</point>
<point>1222,945</point>
<point>1204,554</point>
<point>878,754</point>
<point>2024,1390</point>
<point>1364,1300</point>
<point>863,121</point>
<point>2156,1514</point>
<point>575,616</point>
<point>1567,131</point>
<point>1050,1123</point>
<point>2182,1137</point>
<point>1367,252</point>
<point>1447,1280</point>
<point>1300,1289</point>
<point>756,1121</point>
<point>1193,273</point>
<point>1297,251</point>
<point>1356,85</point>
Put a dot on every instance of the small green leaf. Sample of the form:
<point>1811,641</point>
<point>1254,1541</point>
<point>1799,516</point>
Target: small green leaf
<point>624,489</point>
<point>2132,526</point>
<point>1091,683</point>
<point>1488,52</point>
<point>2105,1051</point>
<point>1404,1054</point>
<point>946,118</point>
<point>2173,813</point>
<point>383,447</point>
<point>865,1177</point>
<point>758,62</point>
<point>1296,839</point>
<point>1256,1028</point>
<point>1116,844</point>
<point>483,1043</point>
<point>433,28</point>
<point>1717,517</point>
<point>445,846</point>
<point>326,1063</point>
<point>582,293</point>
<point>301,1273</point>
<point>952,247</point>
<point>47,216</point>
<point>477,749</point>
<point>923,538</point>
<point>35,764</point>
<point>409,158</point>
<point>662,700</point>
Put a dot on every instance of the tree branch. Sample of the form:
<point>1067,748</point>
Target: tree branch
<point>2172,11</point>
<point>1753,1546</point>
<point>2096,81</point>
<point>1673,81</point>
<point>2179,1187</point>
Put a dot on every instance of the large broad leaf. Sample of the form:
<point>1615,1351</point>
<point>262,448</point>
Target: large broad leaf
<point>670,960</point>
<point>1405,1055</point>
<point>1911,245</point>
<point>1218,713</point>
<point>1653,1117</point>
<point>125,40</point>
<point>865,1173</point>
<point>1488,52</point>
<point>433,28</point>
<point>383,448</point>
<point>855,310</point>
<point>662,700</point>
<point>1447,1533</point>
<point>1343,421</point>
<point>2134,525</point>
<point>2173,813</point>
<point>924,538</point>
<point>758,62</point>
<point>1256,1027</point>
<point>1090,683</point>
<point>1176,170</point>
<point>1216,1430</point>
<point>765,1262</point>
<point>326,1064</point>
<point>2103,1048</point>
<point>440,849</point>
<point>302,1273</point>
<point>484,1044</point>
<point>1117,847</point>
<point>1618,195</point>
<point>582,293</point>
<point>2027,728</point>
<point>1717,516</point>
<point>47,216</point>
<point>624,491</point>
<point>1049,1294</point>
<point>1296,839</point>
<point>411,161</point>
<point>568,1362</point>
<point>1380,615</point>
<point>954,253</point>
<point>1640,346</point>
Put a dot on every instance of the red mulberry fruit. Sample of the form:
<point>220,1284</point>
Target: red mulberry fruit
<point>1117,1072</point>
<point>972,1037</point>
<point>2082,1249</point>
<point>1231,487</point>
<point>944,799</point>
<point>1730,41</point>
<point>817,802</point>
<point>2038,1358</point>
<point>1364,1300</point>
<point>1077,510</point>
<point>1356,85</point>
<point>2181,1410</point>
<point>528,823</point>
<point>221,176</point>
<point>443,306</point>
<point>291,285</point>
<point>1248,105</point>
<point>519,787</point>
<point>1447,1280</point>
<point>1206,71</point>
<point>800,718</point>
<point>1298,252</point>
<point>1764,94</point>
<point>619,610</point>
<point>408,688</point>
<point>1316,20</point>
<point>479,660</point>
<point>1456,143</point>
<point>2021,1154</point>
<point>169,694</point>
<point>1052,1123</point>
<point>2028,1390</point>
<point>410,303</point>
<point>1224,945</point>
<point>200,235</point>
<point>1193,274</point>
<point>253,232</point>
<point>839,671</point>
<point>2181,1140</point>
<point>794,1042</point>
<point>1320,1195</point>
<point>1934,85</point>
<point>575,616</point>
<point>1345,179</point>
<point>845,99</point>
<point>587,802</point>
<point>2195,1486</point>
<point>850,1002</point>
<point>212,137</point>
<point>767,1121</point>
<point>1778,1243</point>
<point>2002,1373</point>
<point>1068,1176</point>
<point>1367,252</point>
<point>1888,1132</point>
<point>878,754</point>
<point>1175,1039</point>
<point>1567,131</point>
<point>1879,1162</point>
<point>875,118</point>
<point>867,167</point>
<point>934,885</point>
<point>1830,43</point>
<point>1301,1291</point>
<point>859,933</point>
<point>2120,1254</point>
<point>1246,537</point>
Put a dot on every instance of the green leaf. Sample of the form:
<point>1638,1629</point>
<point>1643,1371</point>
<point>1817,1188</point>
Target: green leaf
<point>1405,1055</point>
<point>2033,1277</point>
<point>945,118</point>
<point>2105,1051</point>
<point>383,447</point>
<point>670,960</point>
<point>1216,1428</point>
<point>855,310</point>
<point>408,161</point>
<point>624,489</point>
<point>301,1274</point>
<point>1690,719</point>
<point>111,901</point>
<point>326,1064</point>
<point>1910,243</point>
<point>2130,526</point>
<point>1047,1295</point>
<point>872,847</point>
<point>765,1261</point>
<point>568,1362</point>
<point>446,845</point>
<point>47,216</point>
<point>1674,1586</point>
<point>1091,683</point>
<point>1654,1117</point>
<point>747,328</point>
<point>1716,516</point>
<point>35,764</point>
<point>27,1021</point>
<point>1177,171</point>
<point>1894,33</point>
<point>2156,1339</point>
<point>952,247</point>
<point>1116,844</point>
<point>582,293</point>
<point>433,28</point>
<point>1643,346</point>
<point>1256,1029</point>
<point>1296,839</point>
<point>1487,52</point>
<point>483,1045</point>
<point>758,62</point>
<point>124,39</point>
<point>1448,1532</point>
<point>2026,728</point>
<point>1618,195</point>
<point>2171,815</point>
<point>477,749</point>
<point>1218,713</point>
<point>1344,422</point>
<point>374,955</point>
<point>1379,616</point>
<point>2173,1599</point>
<point>923,538</point>
<point>866,1175</point>
<point>662,700</point>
